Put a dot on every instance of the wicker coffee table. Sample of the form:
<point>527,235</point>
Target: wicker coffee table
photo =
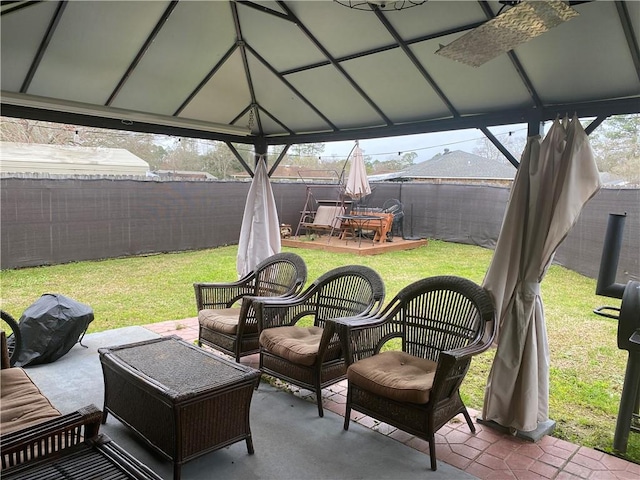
<point>182,400</point>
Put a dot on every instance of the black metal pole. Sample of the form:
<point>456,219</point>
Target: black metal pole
<point>607,285</point>
<point>628,402</point>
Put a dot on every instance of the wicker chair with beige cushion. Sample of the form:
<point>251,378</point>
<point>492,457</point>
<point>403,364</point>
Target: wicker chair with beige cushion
<point>406,364</point>
<point>226,316</point>
<point>308,356</point>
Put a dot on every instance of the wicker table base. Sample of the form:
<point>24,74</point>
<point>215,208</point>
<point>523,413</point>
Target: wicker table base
<point>182,400</point>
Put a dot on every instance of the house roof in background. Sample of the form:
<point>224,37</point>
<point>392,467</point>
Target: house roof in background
<point>460,164</point>
<point>305,71</point>
<point>613,180</point>
<point>453,164</point>
<point>69,160</point>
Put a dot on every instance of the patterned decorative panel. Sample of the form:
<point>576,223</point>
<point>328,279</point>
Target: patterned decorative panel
<point>505,32</point>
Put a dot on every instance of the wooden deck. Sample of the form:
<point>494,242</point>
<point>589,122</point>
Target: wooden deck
<point>366,246</point>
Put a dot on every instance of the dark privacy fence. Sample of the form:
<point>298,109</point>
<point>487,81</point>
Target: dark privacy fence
<point>52,221</point>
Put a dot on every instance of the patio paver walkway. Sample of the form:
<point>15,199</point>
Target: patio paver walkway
<point>487,455</point>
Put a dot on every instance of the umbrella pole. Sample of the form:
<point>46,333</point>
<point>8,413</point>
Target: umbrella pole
<point>344,165</point>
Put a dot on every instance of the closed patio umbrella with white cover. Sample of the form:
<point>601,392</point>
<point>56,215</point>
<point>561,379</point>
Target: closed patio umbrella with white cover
<point>260,231</point>
<point>357,183</point>
<point>555,179</point>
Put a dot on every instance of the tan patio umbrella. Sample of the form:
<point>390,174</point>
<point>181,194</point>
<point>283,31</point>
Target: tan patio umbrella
<point>357,185</point>
<point>555,179</point>
<point>260,231</point>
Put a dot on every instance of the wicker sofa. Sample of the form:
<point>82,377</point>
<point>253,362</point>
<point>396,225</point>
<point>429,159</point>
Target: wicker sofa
<point>22,403</point>
<point>38,442</point>
<point>24,408</point>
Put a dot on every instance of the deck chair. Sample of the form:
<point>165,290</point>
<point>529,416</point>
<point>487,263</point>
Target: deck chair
<point>226,317</point>
<point>324,220</point>
<point>406,364</point>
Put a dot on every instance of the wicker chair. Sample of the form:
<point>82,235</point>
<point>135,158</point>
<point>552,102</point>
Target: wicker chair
<point>439,323</point>
<point>13,342</point>
<point>308,356</point>
<point>233,329</point>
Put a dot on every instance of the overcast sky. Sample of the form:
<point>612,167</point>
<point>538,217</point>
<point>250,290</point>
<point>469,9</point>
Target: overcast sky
<point>426,145</point>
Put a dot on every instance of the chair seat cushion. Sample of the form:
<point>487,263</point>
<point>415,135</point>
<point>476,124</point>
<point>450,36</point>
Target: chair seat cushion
<point>224,320</point>
<point>395,375</point>
<point>296,344</point>
<point>23,404</point>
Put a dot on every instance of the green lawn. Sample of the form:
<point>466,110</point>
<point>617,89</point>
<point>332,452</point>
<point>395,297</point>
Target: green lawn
<point>587,369</point>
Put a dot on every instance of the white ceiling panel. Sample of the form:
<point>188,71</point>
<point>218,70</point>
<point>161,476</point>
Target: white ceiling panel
<point>344,106</point>
<point>20,37</point>
<point>399,89</point>
<point>309,70</point>
<point>434,17</point>
<point>224,97</point>
<point>634,14</point>
<point>176,63</point>
<point>581,57</point>
<point>92,47</point>
<point>284,104</point>
<point>257,30</point>
<point>340,30</point>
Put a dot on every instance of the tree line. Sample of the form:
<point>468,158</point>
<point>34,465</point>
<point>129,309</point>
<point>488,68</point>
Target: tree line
<point>616,144</point>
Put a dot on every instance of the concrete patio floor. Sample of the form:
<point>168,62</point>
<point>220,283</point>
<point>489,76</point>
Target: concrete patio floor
<point>292,442</point>
<point>486,455</point>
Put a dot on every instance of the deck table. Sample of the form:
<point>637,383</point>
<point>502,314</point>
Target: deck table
<point>354,224</point>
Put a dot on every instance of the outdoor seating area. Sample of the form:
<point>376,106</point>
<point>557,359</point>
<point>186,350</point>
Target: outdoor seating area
<point>288,437</point>
<point>330,345</point>
<point>285,418</point>
<point>487,454</point>
<point>184,402</point>
<point>356,230</point>
<point>318,370</point>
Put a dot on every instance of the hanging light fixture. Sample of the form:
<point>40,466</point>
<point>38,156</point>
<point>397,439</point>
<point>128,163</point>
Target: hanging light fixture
<point>385,5</point>
<point>522,22</point>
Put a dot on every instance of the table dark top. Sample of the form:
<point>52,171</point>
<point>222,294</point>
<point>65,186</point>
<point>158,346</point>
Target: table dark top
<point>180,366</point>
<point>359,217</point>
